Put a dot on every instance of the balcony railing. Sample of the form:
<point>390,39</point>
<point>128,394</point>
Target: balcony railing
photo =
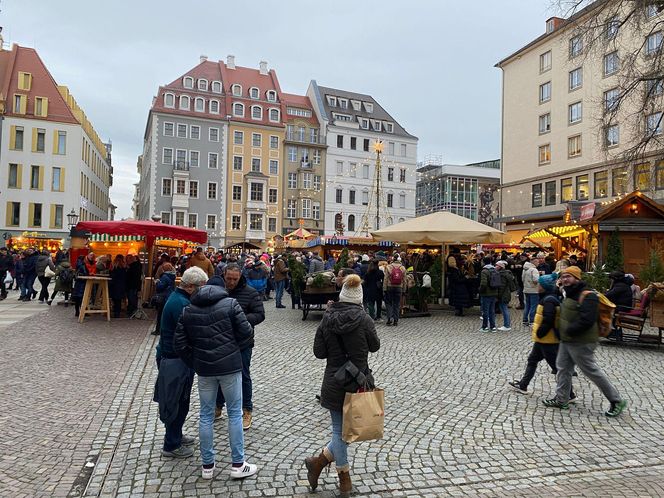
<point>181,165</point>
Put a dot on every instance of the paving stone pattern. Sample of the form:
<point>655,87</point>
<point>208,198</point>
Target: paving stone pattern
<point>452,426</point>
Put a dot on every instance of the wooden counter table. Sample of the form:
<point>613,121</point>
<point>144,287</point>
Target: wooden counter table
<point>102,296</point>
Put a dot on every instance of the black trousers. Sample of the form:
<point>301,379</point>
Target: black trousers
<point>547,352</point>
<point>44,281</point>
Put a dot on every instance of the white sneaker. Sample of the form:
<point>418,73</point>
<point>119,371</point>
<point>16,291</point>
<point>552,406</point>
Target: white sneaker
<point>504,329</point>
<point>207,473</point>
<point>246,470</point>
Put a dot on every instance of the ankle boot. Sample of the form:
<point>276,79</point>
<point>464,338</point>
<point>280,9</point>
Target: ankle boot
<point>345,486</point>
<point>315,466</point>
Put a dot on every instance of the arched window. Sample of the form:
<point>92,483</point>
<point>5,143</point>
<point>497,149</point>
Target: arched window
<point>203,84</point>
<point>188,82</point>
<point>274,115</point>
<point>254,92</point>
<point>238,109</point>
<point>199,104</point>
<point>351,222</point>
<point>338,222</point>
<point>271,95</point>
<point>169,100</point>
<point>236,89</point>
<point>184,102</point>
<point>256,112</point>
<point>216,86</point>
<point>214,106</point>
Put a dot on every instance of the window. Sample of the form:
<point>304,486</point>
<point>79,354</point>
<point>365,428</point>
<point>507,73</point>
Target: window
<point>255,221</point>
<point>582,188</point>
<point>238,137</point>
<point>169,100</point>
<point>212,160</point>
<point>340,141</point>
<point>545,92</point>
<point>315,211</point>
<point>271,95</point>
<point>653,43</point>
<point>390,200</point>
<point>237,193</point>
<point>365,147</point>
<point>56,180</point>
<point>402,201</point>
<point>181,187</point>
<point>256,112</point>
<point>316,156</point>
<point>390,148</point>
<point>353,143</point>
<point>188,82</point>
<point>292,153</point>
<point>61,146</point>
<point>611,99</point>
<point>216,86</point>
<point>166,187</point>
<point>402,175</point>
<point>352,169</point>
<point>211,222</point>
<point>612,135</point>
<point>57,213</point>
<point>193,189</point>
<point>550,193</point>
<point>574,146</point>
<point>575,78</point>
<point>17,141</point>
<point>14,180</point>
<point>193,158</point>
<point>40,145</point>
<point>272,196</point>
<point>545,154</point>
<point>237,163</point>
<point>351,222</point>
<point>14,213</point>
<point>654,124</point>
<point>313,135</point>
<point>343,103</point>
<point>545,61</point>
<point>238,109</point>
<point>404,149</point>
<point>351,196</point>
<point>184,102</point>
<point>256,139</point>
<point>274,142</point>
<point>340,167</point>
<point>235,222</point>
<point>35,177</point>
<point>365,171</point>
<point>612,26</point>
<point>575,112</point>
<point>332,101</point>
<point>601,182</point>
<point>256,164</point>
<point>619,181</point>
<point>536,195</point>
<point>274,115</point>
<point>642,177</point>
<point>306,208</point>
<point>377,126</point>
<point>192,220</point>
<point>365,197</point>
<point>236,90</point>
<point>254,92</point>
<point>41,106</point>
<point>389,127</point>
<point>306,180</point>
<point>169,129</point>
<point>166,217</point>
<point>182,131</point>
<point>390,174</point>
<point>35,215</point>
<point>199,104</point>
<point>274,167</point>
<point>214,106</point>
<point>575,46</point>
<point>212,191</point>
<point>611,63</point>
<point>167,155</point>
<point>202,85</point>
<point>339,196</point>
<point>566,192</point>
<point>545,123</point>
<point>292,180</point>
<point>271,224</point>
<point>213,134</point>
<point>24,81</point>
<point>291,208</point>
<point>659,175</point>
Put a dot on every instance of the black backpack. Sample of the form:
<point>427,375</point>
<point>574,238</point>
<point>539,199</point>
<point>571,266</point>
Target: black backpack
<point>494,280</point>
<point>66,276</point>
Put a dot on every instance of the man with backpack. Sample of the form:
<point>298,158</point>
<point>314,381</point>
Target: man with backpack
<point>393,283</point>
<point>580,313</point>
<point>490,283</point>
<point>507,286</point>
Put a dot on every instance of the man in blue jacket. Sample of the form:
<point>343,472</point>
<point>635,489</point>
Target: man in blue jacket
<point>175,377</point>
<point>208,338</point>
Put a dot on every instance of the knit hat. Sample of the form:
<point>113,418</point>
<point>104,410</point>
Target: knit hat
<point>365,257</point>
<point>548,282</point>
<point>575,271</point>
<point>351,292</point>
<point>501,262</point>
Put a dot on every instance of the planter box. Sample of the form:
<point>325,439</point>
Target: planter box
<point>657,314</point>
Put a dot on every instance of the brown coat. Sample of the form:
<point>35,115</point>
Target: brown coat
<point>280,270</point>
<point>203,263</point>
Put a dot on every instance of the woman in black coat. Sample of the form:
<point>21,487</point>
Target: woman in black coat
<point>79,285</point>
<point>345,326</point>
<point>118,284</point>
<point>459,294</point>
<point>373,282</point>
<point>134,280</point>
<point>620,292</point>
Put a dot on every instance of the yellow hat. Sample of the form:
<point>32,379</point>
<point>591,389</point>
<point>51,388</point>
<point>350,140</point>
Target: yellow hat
<point>575,271</point>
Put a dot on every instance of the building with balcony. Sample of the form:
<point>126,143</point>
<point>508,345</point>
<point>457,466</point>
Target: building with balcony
<point>304,170</point>
<point>51,159</point>
<point>351,123</point>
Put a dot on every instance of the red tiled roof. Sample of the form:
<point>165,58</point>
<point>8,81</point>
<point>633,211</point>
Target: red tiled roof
<point>299,101</point>
<point>43,85</point>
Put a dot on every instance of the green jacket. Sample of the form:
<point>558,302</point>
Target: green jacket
<point>508,286</point>
<point>578,322</point>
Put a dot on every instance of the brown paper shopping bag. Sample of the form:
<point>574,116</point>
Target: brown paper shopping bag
<point>364,416</point>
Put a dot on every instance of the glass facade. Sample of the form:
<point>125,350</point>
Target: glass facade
<point>458,195</point>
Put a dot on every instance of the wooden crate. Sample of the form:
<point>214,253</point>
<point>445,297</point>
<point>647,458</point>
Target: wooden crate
<point>657,314</point>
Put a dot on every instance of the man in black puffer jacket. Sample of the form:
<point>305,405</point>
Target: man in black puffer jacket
<point>620,293</point>
<point>252,305</point>
<point>208,338</point>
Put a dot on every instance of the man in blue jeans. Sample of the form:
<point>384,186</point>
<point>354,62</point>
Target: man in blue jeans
<point>208,338</point>
<point>488,296</point>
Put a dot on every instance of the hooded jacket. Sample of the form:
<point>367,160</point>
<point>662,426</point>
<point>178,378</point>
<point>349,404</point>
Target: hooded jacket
<point>43,261</point>
<point>199,259</point>
<point>485,289</point>
<point>530,277</point>
<point>209,333</point>
<point>620,292</point>
<point>349,323</point>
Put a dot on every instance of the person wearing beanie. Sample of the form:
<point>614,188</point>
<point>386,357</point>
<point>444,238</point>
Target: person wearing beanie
<point>544,335</point>
<point>346,332</point>
<point>620,292</point>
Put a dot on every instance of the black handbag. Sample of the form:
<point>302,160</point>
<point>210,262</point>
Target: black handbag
<point>348,376</point>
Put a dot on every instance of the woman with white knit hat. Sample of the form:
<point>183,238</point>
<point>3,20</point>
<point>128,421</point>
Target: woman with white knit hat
<point>345,333</point>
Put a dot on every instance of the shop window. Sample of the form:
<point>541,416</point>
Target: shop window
<point>642,177</point>
<point>550,193</point>
<point>619,180</point>
<point>566,191</point>
<point>537,195</point>
<point>582,188</point>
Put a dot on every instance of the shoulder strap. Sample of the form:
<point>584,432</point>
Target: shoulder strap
<point>584,294</point>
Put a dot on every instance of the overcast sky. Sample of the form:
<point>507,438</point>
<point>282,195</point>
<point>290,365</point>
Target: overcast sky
<point>428,62</point>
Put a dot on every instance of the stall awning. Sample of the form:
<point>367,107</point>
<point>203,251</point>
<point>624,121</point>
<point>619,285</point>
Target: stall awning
<point>563,231</point>
<point>149,229</point>
<point>104,237</point>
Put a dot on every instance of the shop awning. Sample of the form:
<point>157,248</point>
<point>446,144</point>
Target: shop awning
<point>563,231</point>
<point>150,229</point>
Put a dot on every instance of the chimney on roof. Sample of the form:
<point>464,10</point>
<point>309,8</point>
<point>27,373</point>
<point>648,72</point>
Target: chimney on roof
<point>230,61</point>
<point>203,58</point>
<point>263,67</point>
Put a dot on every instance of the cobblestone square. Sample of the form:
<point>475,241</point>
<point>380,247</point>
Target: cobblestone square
<point>75,392</point>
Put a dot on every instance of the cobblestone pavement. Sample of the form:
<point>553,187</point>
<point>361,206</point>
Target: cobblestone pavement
<point>452,426</point>
<point>12,310</point>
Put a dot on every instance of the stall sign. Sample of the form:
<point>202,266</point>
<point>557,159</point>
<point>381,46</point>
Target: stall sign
<point>587,211</point>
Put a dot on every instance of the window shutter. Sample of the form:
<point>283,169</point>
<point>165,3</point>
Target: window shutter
<point>19,176</point>
<point>8,214</point>
<point>12,137</point>
<point>52,222</point>
<point>62,179</point>
<point>41,178</point>
<point>34,140</point>
<point>31,215</point>
<point>55,141</point>
<point>44,107</point>
<point>24,104</point>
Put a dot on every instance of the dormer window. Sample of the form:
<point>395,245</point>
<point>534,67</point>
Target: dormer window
<point>199,104</point>
<point>332,101</point>
<point>389,127</point>
<point>188,82</point>
<point>368,106</point>
<point>184,102</point>
<point>254,93</point>
<point>238,109</point>
<point>169,100</point>
<point>364,123</point>
<point>236,90</point>
<point>274,115</point>
<point>377,126</point>
<point>216,86</point>
<point>256,112</point>
<point>357,105</point>
<point>214,106</point>
<point>203,84</point>
<point>343,103</point>
<point>271,95</point>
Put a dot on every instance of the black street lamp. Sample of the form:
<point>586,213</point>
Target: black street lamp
<point>72,218</point>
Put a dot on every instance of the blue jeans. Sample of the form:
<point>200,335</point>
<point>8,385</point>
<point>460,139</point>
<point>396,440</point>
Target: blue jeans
<point>231,386</point>
<point>337,446</point>
<point>531,302</point>
<point>279,291</point>
<point>173,436</point>
<point>26,285</point>
<point>488,304</point>
<point>247,387</point>
<point>506,314</point>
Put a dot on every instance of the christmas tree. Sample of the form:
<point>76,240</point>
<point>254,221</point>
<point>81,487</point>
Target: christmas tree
<point>614,253</point>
